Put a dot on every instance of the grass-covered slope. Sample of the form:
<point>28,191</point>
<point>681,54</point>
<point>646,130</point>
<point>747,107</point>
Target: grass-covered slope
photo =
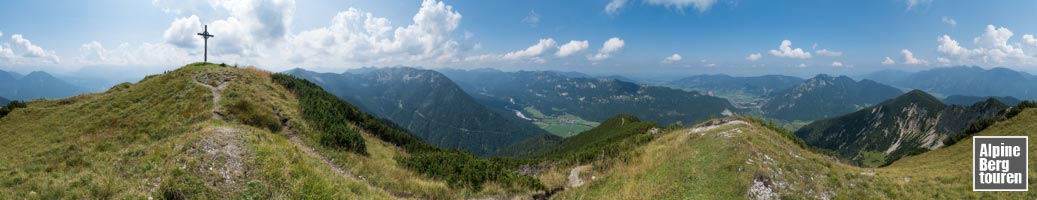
<point>739,160</point>
<point>158,138</point>
<point>165,137</point>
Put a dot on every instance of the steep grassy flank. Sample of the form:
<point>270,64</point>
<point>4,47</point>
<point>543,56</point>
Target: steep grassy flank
<point>465,174</point>
<point>158,138</point>
<point>737,161</point>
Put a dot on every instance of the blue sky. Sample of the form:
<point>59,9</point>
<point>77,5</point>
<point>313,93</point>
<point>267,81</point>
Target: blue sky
<point>637,37</point>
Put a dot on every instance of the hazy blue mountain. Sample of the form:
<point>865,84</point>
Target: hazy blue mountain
<point>744,91</point>
<point>594,99</point>
<point>622,78</point>
<point>4,101</point>
<point>887,76</point>
<point>970,81</point>
<point>915,121</point>
<point>429,105</point>
<point>826,96</point>
<point>35,85</point>
<point>969,100</point>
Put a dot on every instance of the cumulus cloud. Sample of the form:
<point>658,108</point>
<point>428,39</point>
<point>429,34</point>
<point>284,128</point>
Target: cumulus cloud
<point>992,48</point>
<point>786,50</point>
<point>246,28</point>
<point>837,64</point>
<point>612,8</point>
<point>540,48</point>
<point>826,52</point>
<point>888,61</point>
<point>949,21</point>
<point>909,58</point>
<point>1028,39</point>
<point>361,38</point>
<point>572,47</point>
<point>532,19</point>
<point>21,51</point>
<point>672,58</point>
<point>753,57</point>
<point>182,33</point>
<point>611,46</point>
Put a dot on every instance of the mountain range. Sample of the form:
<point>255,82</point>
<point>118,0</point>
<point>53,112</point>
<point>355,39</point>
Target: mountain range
<point>209,132</point>
<point>744,91</point>
<point>912,122</point>
<point>429,105</point>
<point>35,85</point>
<point>963,80</point>
<point>826,96</point>
<point>551,94</point>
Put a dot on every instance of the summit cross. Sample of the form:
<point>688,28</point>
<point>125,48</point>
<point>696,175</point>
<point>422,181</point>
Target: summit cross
<point>205,35</point>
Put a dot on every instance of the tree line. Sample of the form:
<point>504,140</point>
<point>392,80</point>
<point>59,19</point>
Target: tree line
<point>332,117</point>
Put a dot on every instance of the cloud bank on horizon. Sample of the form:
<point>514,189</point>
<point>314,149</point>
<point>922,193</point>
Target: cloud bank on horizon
<point>267,33</point>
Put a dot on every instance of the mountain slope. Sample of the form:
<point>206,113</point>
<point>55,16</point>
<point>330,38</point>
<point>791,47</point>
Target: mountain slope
<point>969,100</point>
<point>210,132</point>
<point>739,159</point>
<point>592,99</point>
<point>4,101</point>
<point>826,96</point>
<point>35,85</point>
<point>915,121</point>
<point>428,104</point>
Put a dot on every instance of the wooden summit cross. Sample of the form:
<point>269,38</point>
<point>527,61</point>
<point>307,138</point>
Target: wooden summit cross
<point>205,35</point>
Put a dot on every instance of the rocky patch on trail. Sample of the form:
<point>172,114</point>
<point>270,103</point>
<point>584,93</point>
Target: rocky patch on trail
<point>715,123</point>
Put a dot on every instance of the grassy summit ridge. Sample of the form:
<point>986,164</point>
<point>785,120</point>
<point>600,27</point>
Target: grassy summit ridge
<point>745,160</point>
<point>166,137</point>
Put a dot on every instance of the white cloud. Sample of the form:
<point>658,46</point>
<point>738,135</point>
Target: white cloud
<point>532,51</point>
<point>911,4</point>
<point>610,47</point>
<point>360,38</point>
<point>22,51</point>
<point>182,33</point>
<point>247,29</point>
<point>612,8</point>
<point>826,52</point>
<point>801,65</point>
<point>700,5</point>
<point>150,54</point>
<point>837,64</point>
<point>753,57</point>
<point>1028,39</point>
<point>949,21</point>
<point>672,58</point>
<point>468,35</point>
<point>909,58</point>
<point>532,19</point>
<point>992,48</point>
<point>572,47</point>
<point>786,50</point>
<point>888,61</point>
